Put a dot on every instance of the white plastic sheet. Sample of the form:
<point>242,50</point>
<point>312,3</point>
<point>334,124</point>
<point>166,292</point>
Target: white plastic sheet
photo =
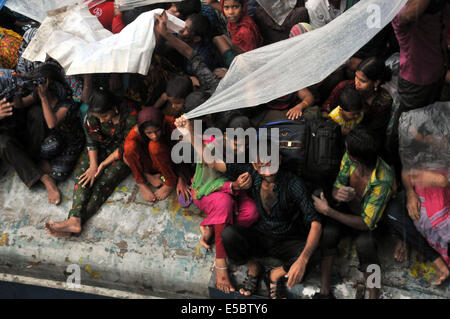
<point>124,5</point>
<point>272,71</point>
<point>278,10</point>
<point>78,41</point>
<point>37,9</point>
<point>424,138</point>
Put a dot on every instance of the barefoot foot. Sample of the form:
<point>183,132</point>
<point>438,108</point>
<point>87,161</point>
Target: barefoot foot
<point>54,196</point>
<point>401,251</point>
<point>222,278</point>
<point>442,271</point>
<point>147,193</point>
<point>71,225</point>
<point>54,233</point>
<point>206,236</point>
<point>154,180</point>
<point>163,192</point>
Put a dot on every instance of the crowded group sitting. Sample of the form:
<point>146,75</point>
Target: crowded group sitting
<point>342,175</point>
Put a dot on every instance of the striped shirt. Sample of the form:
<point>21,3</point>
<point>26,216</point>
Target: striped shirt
<point>378,192</point>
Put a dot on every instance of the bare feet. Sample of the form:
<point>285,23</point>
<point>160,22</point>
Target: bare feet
<point>223,281</point>
<point>147,193</point>
<point>401,251</point>
<point>442,271</point>
<point>71,225</point>
<point>163,192</point>
<point>54,196</point>
<point>206,236</point>
<point>154,180</point>
<point>54,233</point>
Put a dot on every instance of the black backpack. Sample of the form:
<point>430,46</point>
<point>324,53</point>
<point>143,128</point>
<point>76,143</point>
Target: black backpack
<point>293,144</point>
<point>324,149</point>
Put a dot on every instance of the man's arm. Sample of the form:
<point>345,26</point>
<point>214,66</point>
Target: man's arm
<point>353,221</point>
<point>413,10</point>
<point>298,268</point>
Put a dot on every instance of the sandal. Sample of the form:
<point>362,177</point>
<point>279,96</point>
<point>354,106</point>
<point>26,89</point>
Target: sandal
<point>318,295</point>
<point>277,289</point>
<point>250,284</point>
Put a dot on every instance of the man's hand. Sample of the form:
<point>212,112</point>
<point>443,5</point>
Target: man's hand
<point>296,272</point>
<point>345,194</point>
<point>243,182</point>
<point>321,204</point>
<point>413,205</point>
<point>161,24</point>
<point>6,109</point>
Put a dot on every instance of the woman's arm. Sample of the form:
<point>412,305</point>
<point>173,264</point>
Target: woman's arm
<point>188,132</point>
<point>88,177</point>
<point>307,100</point>
<point>52,119</point>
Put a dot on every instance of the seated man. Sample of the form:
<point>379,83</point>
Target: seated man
<point>362,189</point>
<point>288,227</point>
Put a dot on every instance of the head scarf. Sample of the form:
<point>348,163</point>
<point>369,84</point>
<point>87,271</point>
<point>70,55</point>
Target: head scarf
<point>150,114</point>
<point>245,43</point>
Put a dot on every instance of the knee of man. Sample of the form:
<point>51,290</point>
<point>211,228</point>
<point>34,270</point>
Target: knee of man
<point>330,237</point>
<point>5,142</point>
<point>228,234</point>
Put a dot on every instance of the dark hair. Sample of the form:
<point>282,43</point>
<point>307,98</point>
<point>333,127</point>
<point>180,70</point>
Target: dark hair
<point>200,25</point>
<point>362,146</point>
<point>188,7</point>
<point>350,100</point>
<point>375,69</point>
<point>179,87</point>
<point>49,70</point>
<point>240,121</point>
<point>193,100</point>
<point>101,101</point>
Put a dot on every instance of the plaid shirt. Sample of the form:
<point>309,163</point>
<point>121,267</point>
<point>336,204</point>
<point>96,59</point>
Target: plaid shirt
<point>291,213</point>
<point>378,192</point>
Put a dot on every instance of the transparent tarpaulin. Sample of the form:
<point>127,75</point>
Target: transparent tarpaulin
<point>37,9</point>
<point>272,71</point>
<point>124,5</point>
<point>78,41</point>
<point>278,10</point>
<point>425,138</point>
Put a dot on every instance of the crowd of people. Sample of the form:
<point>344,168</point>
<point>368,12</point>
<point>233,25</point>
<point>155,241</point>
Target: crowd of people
<point>106,126</point>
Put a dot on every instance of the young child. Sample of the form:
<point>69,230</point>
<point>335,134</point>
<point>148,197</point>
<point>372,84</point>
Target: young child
<point>350,111</point>
<point>245,35</point>
<point>147,153</point>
